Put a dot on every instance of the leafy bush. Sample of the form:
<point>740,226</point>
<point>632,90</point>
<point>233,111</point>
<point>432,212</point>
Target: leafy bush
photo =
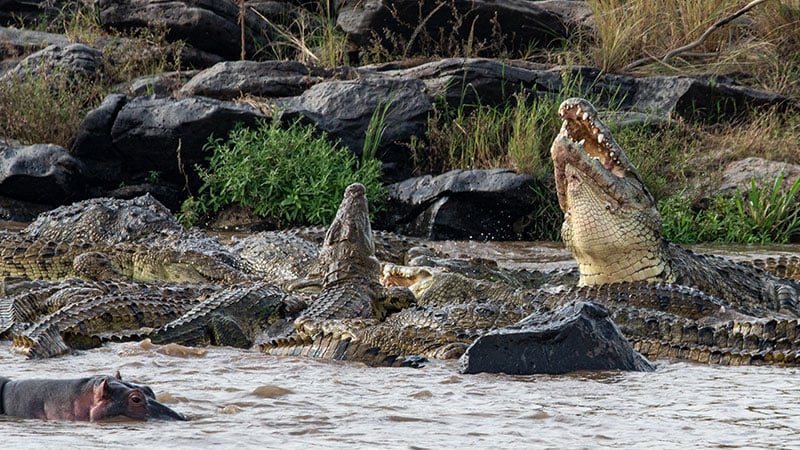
<point>292,175</point>
<point>759,215</point>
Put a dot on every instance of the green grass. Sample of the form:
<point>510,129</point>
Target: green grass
<point>292,175</point>
<point>759,215</point>
<point>516,134</point>
<point>48,109</point>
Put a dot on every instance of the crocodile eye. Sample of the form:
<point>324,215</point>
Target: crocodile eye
<point>608,207</point>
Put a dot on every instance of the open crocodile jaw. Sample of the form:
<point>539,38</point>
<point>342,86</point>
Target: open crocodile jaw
<point>609,215</point>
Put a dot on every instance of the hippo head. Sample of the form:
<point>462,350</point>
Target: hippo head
<point>114,397</point>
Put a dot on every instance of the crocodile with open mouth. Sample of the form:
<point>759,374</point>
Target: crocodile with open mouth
<point>613,229</point>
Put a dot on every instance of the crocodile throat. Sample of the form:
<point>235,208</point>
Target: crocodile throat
<point>611,225</point>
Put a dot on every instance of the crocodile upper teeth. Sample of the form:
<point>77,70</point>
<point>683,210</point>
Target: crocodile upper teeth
<point>581,142</point>
<point>585,115</point>
<point>600,138</point>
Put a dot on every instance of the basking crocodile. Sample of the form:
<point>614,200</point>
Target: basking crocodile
<point>83,314</point>
<point>158,261</point>
<point>659,319</point>
<point>84,317</point>
<point>613,229</point>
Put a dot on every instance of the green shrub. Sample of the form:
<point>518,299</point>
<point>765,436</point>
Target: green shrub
<point>759,215</point>
<point>294,175</point>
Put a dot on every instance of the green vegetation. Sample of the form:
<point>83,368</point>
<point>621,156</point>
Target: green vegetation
<point>759,215</point>
<point>760,49</point>
<point>516,134</point>
<point>292,175</point>
<point>48,108</point>
<point>312,37</point>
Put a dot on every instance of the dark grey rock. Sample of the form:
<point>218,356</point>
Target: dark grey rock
<point>343,109</point>
<point>40,173</point>
<point>474,81</point>
<point>130,139</point>
<point>15,42</point>
<point>208,25</point>
<point>706,98</point>
<point>464,204</point>
<point>72,60</point>
<point>479,81</point>
<point>232,79</point>
<point>738,175</point>
<point>576,336</point>
<point>493,26</point>
<point>12,12</point>
<point>162,84</point>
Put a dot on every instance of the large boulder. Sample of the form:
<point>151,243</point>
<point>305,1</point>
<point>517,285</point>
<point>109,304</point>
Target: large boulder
<point>40,173</point>
<point>343,109</point>
<point>74,61</point>
<point>491,27</point>
<point>463,204</point>
<point>208,25</point>
<point>127,140</point>
<point>231,79</point>
<point>576,336</point>
<point>15,42</point>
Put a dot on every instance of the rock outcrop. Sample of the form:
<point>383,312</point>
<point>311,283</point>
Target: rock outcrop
<point>577,336</point>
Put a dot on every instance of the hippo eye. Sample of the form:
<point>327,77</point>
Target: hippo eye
<point>136,399</point>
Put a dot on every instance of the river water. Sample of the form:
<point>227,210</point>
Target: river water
<point>243,399</point>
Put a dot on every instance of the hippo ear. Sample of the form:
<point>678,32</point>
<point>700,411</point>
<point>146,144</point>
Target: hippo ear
<point>101,389</point>
<point>117,375</point>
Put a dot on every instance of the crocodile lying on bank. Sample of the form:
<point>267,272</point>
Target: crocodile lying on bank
<point>158,261</point>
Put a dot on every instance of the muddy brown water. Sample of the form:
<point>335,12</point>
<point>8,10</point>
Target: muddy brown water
<point>243,399</point>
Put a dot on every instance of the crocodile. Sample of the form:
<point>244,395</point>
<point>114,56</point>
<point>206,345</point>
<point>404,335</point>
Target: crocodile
<point>233,317</point>
<point>158,261</point>
<point>613,230</point>
<point>85,314</point>
<point>351,285</point>
<point>85,317</point>
<point>350,288</point>
<point>104,221</point>
<point>657,318</point>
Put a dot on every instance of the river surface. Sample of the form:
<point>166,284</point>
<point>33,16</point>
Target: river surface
<point>243,399</point>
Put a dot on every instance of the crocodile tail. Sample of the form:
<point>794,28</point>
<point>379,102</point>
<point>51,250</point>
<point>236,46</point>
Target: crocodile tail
<point>330,346</point>
<point>47,344</point>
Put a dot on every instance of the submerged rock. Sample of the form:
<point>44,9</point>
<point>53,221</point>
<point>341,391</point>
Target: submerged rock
<point>576,336</point>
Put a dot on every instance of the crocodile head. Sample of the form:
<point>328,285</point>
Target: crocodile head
<point>611,225</point>
<point>349,248</point>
